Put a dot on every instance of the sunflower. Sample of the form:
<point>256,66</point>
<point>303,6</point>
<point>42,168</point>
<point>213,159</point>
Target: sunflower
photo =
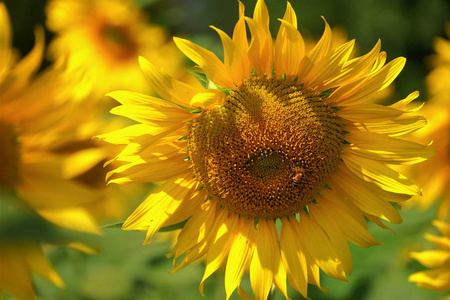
<point>437,112</point>
<point>274,164</point>
<point>438,278</point>
<point>31,174</point>
<point>101,40</point>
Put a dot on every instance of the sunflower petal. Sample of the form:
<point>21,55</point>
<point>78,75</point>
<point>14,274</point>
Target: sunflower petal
<point>240,255</point>
<point>320,248</point>
<point>293,257</point>
<point>266,258</point>
<point>289,50</point>
<point>380,174</point>
<point>220,246</point>
<point>208,98</point>
<point>167,87</point>
<point>234,59</point>
<point>208,62</point>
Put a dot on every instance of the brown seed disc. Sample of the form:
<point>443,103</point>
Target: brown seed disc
<point>268,150</point>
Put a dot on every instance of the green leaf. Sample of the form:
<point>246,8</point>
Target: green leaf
<point>113,225</point>
<point>173,227</point>
<point>163,229</point>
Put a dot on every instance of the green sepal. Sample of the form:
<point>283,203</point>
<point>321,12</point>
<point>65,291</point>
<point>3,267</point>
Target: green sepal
<point>201,77</point>
<point>226,91</point>
<point>326,93</point>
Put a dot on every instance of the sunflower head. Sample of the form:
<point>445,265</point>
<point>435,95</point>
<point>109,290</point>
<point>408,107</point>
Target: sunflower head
<point>268,150</point>
<point>274,164</point>
<point>100,42</point>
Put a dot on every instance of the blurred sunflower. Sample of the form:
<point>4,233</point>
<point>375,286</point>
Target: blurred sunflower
<point>275,163</point>
<point>437,112</point>
<point>438,278</point>
<point>101,40</point>
<point>31,174</point>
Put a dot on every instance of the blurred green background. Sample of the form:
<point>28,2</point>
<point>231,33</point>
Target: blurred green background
<point>126,270</point>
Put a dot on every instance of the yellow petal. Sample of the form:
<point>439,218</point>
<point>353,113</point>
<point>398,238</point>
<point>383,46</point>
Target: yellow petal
<point>373,83</point>
<point>194,231</point>
<point>240,35</point>
<point>279,272</point>
<point>202,248</point>
<point>380,174</point>
<point>399,126</point>
<point>293,256</point>
<point>152,170</point>
<point>289,50</point>
<point>133,98</point>
<point>440,241</point>
<point>43,186</point>
<point>324,46</point>
<point>15,277</point>
<point>356,68</point>
<point>320,248</point>
<point>432,258</point>
<point>243,294</point>
<point>261,14</point>
<point>322,49</point>
<point>368,113</point>
<point>266,258</point>
<point>290,15</point>
<point>155,212</point>
<point>39,264</point>
<point>208,98</point>
<point>443,227</point>
<point>235,60</point>
<point>261,48</point>
<point>404,102</point>
<point>167,87</point>
<point>220,246</point>
<point>432,279</point>
<point>5,41</point>
<point>82,161</point>
<point>125,135</point>
<point>353,230</point>
<point>362,197</point>
<point>144,141</point>
<point>72,218</point>
<point>335,235</point>
<point>153,115</point>
<point>240,255</point>
<point>208,61</point>
<point>387,149</point>
<point>329,67</point>
<point>28,65</point>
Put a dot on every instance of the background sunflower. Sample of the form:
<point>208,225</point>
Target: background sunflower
<point>124,268</point>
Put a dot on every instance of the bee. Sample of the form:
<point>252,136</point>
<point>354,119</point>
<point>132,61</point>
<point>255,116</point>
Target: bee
<point>297,175</point>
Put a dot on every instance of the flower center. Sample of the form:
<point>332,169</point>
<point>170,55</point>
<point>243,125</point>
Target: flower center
<point>118,41</point>
<point>9,157</point>
<point>268,150</point>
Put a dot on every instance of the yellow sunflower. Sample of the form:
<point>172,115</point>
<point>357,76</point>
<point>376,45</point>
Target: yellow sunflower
<point>437,112</point>
<point>273,165</point>
<point>101,40</point>
<point>31,173</point>
<point>438,260</point>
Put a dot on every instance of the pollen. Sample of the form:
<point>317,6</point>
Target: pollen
<point>268,150</point>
